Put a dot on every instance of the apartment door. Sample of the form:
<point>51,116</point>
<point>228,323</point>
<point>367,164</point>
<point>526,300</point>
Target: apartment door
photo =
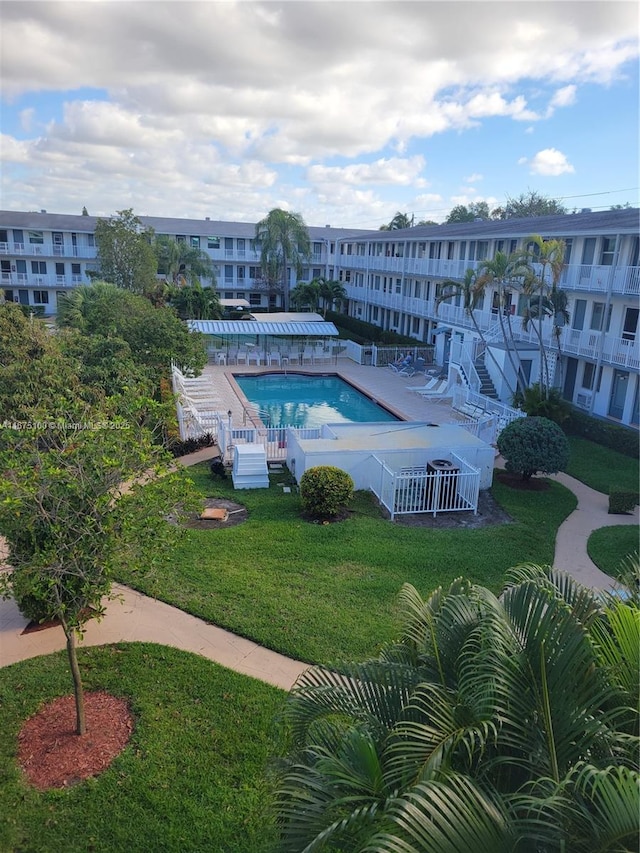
<point>58,243</point>
<point>570,378</point>
<point>618,394</point>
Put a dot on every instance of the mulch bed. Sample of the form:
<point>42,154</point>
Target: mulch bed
<point>52,755</point>
<point>237,514</point>
<point>515,481</point>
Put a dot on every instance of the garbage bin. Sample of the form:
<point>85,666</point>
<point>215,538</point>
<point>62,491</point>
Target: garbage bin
<point>443,486</point>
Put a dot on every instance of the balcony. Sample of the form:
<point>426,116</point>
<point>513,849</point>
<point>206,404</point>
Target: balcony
<point>44,250</point>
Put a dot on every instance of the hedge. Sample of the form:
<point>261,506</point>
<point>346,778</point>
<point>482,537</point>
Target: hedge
<point>368,332</point>
<point>621,500</point>
<point>613,436</point>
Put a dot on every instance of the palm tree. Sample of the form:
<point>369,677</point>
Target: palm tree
<point>331,292</point>
<point>500,724</point>
<point>283,239</point>
<point>305,295</point>
<point>400,220</point>
<point>180,263</point>
<point>472,291</point>
<point>194,302</point>
<point>549,255</point>
<point>505,273</point>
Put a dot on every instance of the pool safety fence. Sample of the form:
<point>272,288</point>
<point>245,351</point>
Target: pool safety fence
<point>440,485</point>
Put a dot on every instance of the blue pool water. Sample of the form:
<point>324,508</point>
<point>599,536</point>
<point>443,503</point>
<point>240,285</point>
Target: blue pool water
<point>309,401</point>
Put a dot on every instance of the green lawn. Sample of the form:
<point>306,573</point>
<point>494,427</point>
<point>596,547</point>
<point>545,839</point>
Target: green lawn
<point>608,546</point>
<point>600,467</point>
<point>193,776</point>
<point>319,593</point>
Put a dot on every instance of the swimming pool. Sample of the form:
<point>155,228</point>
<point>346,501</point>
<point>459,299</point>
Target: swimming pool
<point>309,401</point>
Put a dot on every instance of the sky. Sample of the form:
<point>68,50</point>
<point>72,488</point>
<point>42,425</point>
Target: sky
<point>345,112</point>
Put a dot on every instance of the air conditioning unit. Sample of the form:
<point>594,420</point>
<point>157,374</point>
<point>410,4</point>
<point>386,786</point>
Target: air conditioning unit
<point>583,400</point>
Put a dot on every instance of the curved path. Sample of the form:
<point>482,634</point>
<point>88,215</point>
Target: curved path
<point>136,617</point>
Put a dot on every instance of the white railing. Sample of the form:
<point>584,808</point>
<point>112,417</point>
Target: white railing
<point>416,490</point>
<point>478,407</point>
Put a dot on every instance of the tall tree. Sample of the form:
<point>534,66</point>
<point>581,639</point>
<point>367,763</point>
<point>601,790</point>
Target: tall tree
<point>505,724</point>
<point>530,203</point>
<point>283,239</point>
<point>125,253</point>
<point>546,260</point>
<point>472,291</point>
<point>506,273</point>
<point>467,213</point>
<point>69,524</point>
<point>194,302</point>
<point>400,220</point>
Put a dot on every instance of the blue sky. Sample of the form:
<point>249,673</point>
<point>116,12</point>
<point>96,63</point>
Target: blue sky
<point>345,112</point>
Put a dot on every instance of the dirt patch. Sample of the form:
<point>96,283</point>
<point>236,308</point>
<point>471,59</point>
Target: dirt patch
<point>52,755</point>
<point>236,515</point>
<point>489,513</point>
<point>515,481</point>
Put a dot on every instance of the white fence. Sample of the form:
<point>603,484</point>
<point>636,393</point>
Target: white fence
<point>420,490</point>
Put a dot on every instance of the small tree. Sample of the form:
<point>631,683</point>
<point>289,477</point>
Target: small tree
<point>534,445</point>
<point>69,522</point>
<point>325,490</point>
<point>125,254</point>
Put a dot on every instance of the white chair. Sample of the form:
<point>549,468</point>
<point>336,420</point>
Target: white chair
<point>255,356</point>
<point>241,357</point>
<point>274,358</point>
<point>307,356</point>
<point>439,390</point>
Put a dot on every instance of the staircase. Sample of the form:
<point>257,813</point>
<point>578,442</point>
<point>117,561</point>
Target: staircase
<point>250,467</point>
<point>487,388</point>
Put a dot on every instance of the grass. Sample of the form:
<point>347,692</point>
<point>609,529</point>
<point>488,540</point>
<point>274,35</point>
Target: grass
<point>319,593</point>
<point>608,546</point>
<point>192,777</point>
<point>600,467</point>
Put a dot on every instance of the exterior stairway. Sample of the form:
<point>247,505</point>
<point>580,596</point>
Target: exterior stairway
<point>487,388</point>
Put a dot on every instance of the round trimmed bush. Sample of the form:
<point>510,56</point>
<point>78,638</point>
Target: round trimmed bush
<point>534,446</point>
<point>324,490</point>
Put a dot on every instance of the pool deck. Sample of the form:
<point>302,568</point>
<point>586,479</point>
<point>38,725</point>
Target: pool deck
<point>381,384</point>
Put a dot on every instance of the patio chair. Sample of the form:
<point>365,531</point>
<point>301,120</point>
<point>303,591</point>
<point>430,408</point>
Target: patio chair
<point>428,385</point>
<point>241,356</point>
<point>439,391</point>
<point>274,358</point>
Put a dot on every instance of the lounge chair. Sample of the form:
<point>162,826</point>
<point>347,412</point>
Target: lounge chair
<point>428,385</point>
<point>439,390</point>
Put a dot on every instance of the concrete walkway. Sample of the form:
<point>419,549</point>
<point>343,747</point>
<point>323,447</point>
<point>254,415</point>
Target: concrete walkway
<point>135,617</point>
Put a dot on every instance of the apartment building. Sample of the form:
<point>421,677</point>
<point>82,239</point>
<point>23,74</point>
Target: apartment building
<point>394,279</point>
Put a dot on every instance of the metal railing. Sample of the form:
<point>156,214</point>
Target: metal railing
<point>416,490</point>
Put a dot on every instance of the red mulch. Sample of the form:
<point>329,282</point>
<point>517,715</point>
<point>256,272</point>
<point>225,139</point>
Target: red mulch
<point>515,481</point>
<point>52,755</point>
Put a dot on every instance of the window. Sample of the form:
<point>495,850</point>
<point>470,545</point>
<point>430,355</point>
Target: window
<point>568,245</point>
<point>60,269</point>
<point>450,247</point>
<point>483,250</point>
<point>463,250</point>
<point>630,326</point>
<point>316,272</point>
<point>36,237</point>
<point>40,297</point>
<point>38,268</point>
<point>513,245</point>
<point>75,269</point>
<point>396,318</point>
<point>255,299</point>
<point>608,251</point>
<point>347,275</point>
<point>8,295</point>
<point>240,273</point>
<point>195,242</point>
<point>434,250</point>
<point>91,240</point>
<point>213,242</point>
<point>472,250</point>
<point>415,326</point>
<point>181,238</point>
<point>228,294</point>
<point>578,314</point>
<point>588,251</point>
<point>254,272</point>
<point>598,323</point>
<point>240,295</point>
<point>499,245</point>
<point>228,271</point>
<point>417,292</point>
<point>4,237</point>
<point>588,376</point>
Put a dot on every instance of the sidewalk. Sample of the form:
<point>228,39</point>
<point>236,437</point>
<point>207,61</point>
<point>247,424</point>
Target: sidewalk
<point>135,617</point>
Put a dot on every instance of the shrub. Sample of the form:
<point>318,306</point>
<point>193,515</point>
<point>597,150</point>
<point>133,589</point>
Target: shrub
<point>324,490</point>
<point>613,436</point>
<point>538,404</point>
<point>363,332</point>
<point>181,448</point>
<point>621,500</point>
<point>534,445</point>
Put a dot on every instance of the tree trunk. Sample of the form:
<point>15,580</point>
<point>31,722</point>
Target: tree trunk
<point>81,721</point>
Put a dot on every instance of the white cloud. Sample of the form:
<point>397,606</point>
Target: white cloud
<point>390,171</point>
<point>549,161</point>
<point>564,97</point>
<point>474,178</point>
